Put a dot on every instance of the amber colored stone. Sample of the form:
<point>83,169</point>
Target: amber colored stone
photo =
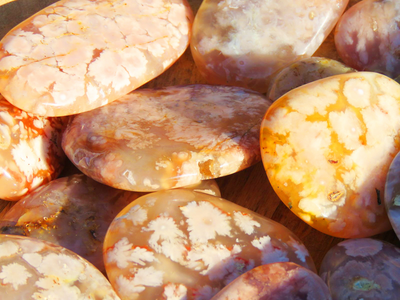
<point>303,72</point>
<point>243,43</point>
<point>77,55</point>
<point>30,151</point>
<point>38,270</point>
<point>367,36</point>
<point>327,147</point>
<point>392,194</point>
<point>366,269</point>
<point>189,245</point>
<point>166,138</point>
<point>277,281</point>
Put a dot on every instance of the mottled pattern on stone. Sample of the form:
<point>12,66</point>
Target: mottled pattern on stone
<point>30,151</point>
<point>38,270</point>
<point>159,139</point>
<point>392,194</point>
<point>327,148</point>
<point>303,72</point>
<point>189,245</point>
<point>367,37</point>
<point>243,43</point>
<point>277,281</point>
<point>362,269</point>
<point>76,55</point>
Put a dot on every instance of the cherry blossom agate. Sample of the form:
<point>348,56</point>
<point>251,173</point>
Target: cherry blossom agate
<point>239,42</point>
<point>77,55</point>
<point>367,37</point>
<point>165,138</point>
<point>30,151</point>
<point>327,147</point>
<point>392,194</point>
<point>180,244</point>
<point>362,269</point>
<point>277,281</point>
<point>302,72</point>
<point>34,269</point>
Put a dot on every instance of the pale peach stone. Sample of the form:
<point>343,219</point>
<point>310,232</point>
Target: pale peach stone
<point>166,138</point>
<point>35,269</point>
<point>243,43</point>
<point>392,194</point>
<point>327,147</point>
<point>77,55</point>
<point>30,151</point>
<point>179,244</point>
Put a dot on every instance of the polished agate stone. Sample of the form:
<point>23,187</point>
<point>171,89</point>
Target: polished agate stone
<point>166,138</point>
<point>38,270</point>
<point>303,72</point>
<point>366,269</point>
<point>327,147</point>
<point>30,151</point>
<point>392,194</point>
<point>77,55</point>
<point>278,281</point>
<point>367,36</point>
<point>243,43</point>
<point>188,245</point>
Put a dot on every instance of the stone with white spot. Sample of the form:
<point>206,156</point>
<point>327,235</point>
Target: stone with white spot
<point>190,245</point>
<point>77,55</point>
<point>167,138</point>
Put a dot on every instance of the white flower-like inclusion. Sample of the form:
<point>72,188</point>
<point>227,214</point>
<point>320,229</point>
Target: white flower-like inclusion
<point>270,254</point>
<point>14,274</point>
<point>245,222</point>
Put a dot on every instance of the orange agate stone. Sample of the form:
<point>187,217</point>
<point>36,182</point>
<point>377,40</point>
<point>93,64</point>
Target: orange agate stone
<point>327,147</point>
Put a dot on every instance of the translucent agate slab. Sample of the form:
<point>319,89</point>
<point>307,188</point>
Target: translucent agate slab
<point>327,147</point>
<point>392,194</point>
<point>165,138</point>
<point>242,43</point>
<point>303,72</point>
<point>189,245</point>
<point>277,281</point>
<point>367,37</point>
<point>366,269</point>
<point>77,55</point>
<point>35,269</point>
<point>30,151</point>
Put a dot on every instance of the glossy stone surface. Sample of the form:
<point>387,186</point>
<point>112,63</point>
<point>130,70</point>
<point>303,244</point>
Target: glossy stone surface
<point>303,72</point>
<point>366,269</point>
<point>327,147</point>
<point>277,281</point>
<point>367,37</point>
<point>189,245</point>
<point>166,138</point>
<point>242,43</point>
<point>35,269</point>
<point>392,194</point>
<point>30,151</point>
<point>77,55</point>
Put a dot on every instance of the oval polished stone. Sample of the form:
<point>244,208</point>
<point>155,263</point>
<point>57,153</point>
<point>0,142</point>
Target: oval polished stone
<point>35,269</point>
<point>243,43</point>
<point>366,269</point>
<point>30,151</point>
<point>77,55</point>
<point>303,72</point>
<point>392,194</point>
<point>367,36</point>
<point>189,245</point>
<point>327,147</point>
<point>165,138</point>
<point>277,281</point>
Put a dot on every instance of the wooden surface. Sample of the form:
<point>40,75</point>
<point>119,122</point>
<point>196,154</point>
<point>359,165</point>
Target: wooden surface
<point>249,188</point>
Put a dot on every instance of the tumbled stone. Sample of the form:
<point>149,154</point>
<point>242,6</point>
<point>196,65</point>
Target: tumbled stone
<point>189,245</point>
<point>278,281</point>
<point>77,55</point>
<point>392,194</point>
<point>243,43</point>
<point>367,36</point>
<point>327,147</point>
<point>166,138</point>
<point>366,269</point>
<point>30,151</point>
<point>303,72</point>
<point>35,269</point>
